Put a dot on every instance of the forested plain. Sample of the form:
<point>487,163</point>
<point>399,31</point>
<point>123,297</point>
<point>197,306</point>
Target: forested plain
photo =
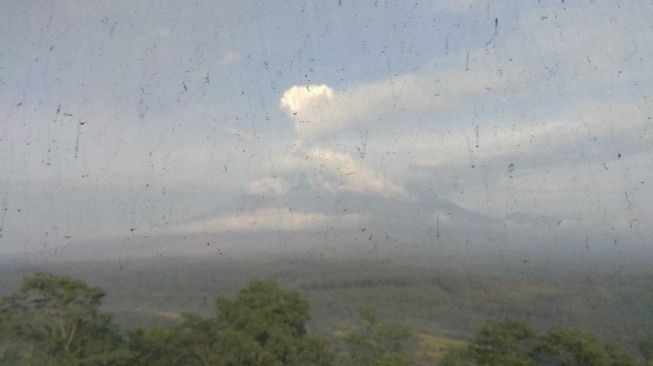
<point>322,312</point>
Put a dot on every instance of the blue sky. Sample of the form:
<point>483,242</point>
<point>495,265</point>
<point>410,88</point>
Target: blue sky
<point>167,117</point>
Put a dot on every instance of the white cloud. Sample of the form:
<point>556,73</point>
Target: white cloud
<point>268,186</point>
<point>299,98</point>
<point>334,172</point>
<point>268,219</point>
<point>549,55</point>
<point>585,128</point>
<point>318,111</point>
<point>340,172</point>
<point>310,108</point>
<point>548,60</point>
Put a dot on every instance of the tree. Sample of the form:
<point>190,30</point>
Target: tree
<point>498,343</point>
<point>646,349</point>
<point>570,347</point>
<point>54,320</point>
<point>511,342</point>
<point>263,325</point>
<point>193,342</point>
<point>377,343</point>
<point>266,326</point>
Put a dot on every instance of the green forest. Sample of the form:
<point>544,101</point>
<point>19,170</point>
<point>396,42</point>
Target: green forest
<point>57,320</point>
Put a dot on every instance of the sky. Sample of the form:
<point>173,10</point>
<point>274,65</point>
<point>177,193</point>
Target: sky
<point>131,119</point>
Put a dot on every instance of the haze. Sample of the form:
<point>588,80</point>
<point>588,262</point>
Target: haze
<point>516,130</point>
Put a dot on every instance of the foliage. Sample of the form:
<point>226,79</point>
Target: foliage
<point>377,343</point>
<point>511,342</point>
<point>646,349</point>
<point>54,320</point>
<point>193,342</point>
<point>262,326</point>
<point>572,347</point>
<point>265,325</point>
<point>498,343</point>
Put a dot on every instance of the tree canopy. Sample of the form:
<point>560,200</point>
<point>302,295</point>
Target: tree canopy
<point>55,321</point>
<point>517,343</point>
